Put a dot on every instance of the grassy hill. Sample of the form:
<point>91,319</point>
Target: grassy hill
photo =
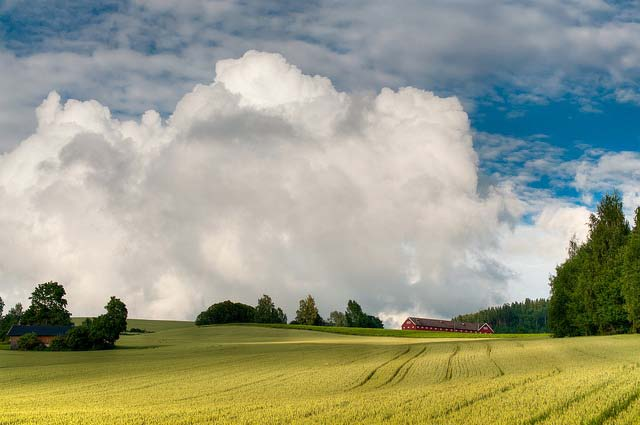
<point>182,374</point>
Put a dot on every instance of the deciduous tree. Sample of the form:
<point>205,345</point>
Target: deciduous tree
<point>355,317</point>
<point>48,306</point>
<point>307,313</point>
<point>337,318</point>
<point>266,311</point>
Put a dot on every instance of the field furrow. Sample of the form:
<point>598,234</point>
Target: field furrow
<point>253,375</point>
<point>449,370</point>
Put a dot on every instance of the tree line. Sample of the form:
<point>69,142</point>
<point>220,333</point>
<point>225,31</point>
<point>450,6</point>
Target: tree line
<point>49,307</point>
<point>11,318</point>
<point>596,291</point>
<point>529,316</point>
<point>266,312</point>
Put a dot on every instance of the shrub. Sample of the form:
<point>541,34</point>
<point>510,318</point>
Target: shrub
<point>30,342</point>
<point>139,331</point>
<point>77,338</point>
<point>58,343</point>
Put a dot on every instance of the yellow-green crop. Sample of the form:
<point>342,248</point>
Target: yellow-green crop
<point>182,374</point>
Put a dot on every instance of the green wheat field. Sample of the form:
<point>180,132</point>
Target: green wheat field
<point>181,374</point>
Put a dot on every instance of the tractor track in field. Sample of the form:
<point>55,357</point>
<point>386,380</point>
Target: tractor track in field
<point>449,372</point>
<point>498,391</point>
<point>500,371</point>
<point>377,368</point>
<point>257,381</point>
<point>399,368</point>
<point>615,409</point>
<point>276,378</point>
<point>588,354</point>
<point>405,372</point>
<point>567,403</point>
<point>359,359</point>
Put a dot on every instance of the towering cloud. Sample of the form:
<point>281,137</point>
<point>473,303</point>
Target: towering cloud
<point>266,181</point>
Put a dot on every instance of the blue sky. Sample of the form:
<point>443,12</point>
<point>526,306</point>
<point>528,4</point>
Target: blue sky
<point>551,89</point>
<point>565,71</point>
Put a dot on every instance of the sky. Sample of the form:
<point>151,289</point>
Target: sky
<point>423,158</point>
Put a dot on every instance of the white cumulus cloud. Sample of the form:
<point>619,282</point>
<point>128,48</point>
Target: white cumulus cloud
<point>608,171</point>
<point>533,250</point>
<point>264,181</point>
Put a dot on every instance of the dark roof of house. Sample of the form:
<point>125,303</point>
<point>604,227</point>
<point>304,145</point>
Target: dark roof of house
<point>446,324</point>
<point>19,330</point>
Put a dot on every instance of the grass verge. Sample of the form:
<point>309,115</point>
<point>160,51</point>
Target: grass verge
<point>389,332</point>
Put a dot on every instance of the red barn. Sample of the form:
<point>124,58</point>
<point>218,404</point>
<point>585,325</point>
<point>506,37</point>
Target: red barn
<point>437,325</point>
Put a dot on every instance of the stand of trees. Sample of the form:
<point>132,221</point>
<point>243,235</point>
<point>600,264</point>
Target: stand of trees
<point>11,318</point>
<point>230,312</point>
<point>596,290</point>
<point>49,307</point>
<point>354,317</point>
<point>226,312</point>
<point>100,333</point>
<point>267,312</point>
<point>529,316</point>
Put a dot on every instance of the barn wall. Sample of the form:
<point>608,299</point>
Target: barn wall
<point>408,325</point>
<point>46,340</point>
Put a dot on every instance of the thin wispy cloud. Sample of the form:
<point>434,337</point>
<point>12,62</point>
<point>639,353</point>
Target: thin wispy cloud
<point>533,52</point>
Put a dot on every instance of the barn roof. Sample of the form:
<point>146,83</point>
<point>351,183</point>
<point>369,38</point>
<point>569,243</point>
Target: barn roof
<point>40,330</point>
<point>446,324</point>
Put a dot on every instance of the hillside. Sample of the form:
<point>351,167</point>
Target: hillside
<point>182,374</point>
<point>394,332</point>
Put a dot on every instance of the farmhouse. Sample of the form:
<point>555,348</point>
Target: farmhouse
<point>437,325</point>
<point>45,333</point>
